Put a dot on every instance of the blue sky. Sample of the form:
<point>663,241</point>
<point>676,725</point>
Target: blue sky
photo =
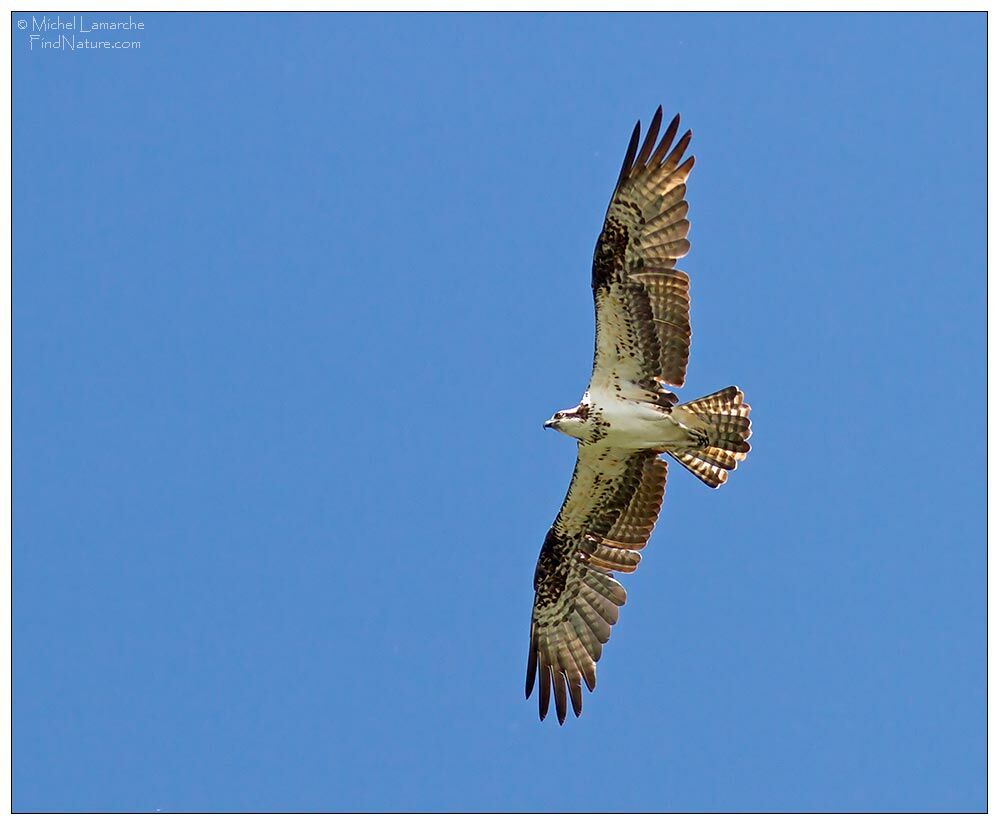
<point>292,297</point>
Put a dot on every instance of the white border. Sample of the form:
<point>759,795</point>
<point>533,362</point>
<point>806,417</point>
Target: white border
<point>468,5</point>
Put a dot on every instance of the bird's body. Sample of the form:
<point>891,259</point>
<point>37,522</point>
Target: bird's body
<point>626,419</point>
<point>629,421</point>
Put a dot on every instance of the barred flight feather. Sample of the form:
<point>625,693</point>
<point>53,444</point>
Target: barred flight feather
<point>645,225</point>
<point>615,496</point>
<point>725,418</point>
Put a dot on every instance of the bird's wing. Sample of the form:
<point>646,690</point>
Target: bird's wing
<point>606,519</point>
<point>642,302</point>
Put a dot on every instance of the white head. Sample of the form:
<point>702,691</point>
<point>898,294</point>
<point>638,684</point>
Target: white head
<point>575,422</point>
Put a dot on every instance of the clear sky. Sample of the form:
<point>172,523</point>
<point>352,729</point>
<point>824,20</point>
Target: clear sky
<point>292,298</point>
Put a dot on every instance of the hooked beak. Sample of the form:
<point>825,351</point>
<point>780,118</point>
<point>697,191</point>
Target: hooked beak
<point>550,424</point>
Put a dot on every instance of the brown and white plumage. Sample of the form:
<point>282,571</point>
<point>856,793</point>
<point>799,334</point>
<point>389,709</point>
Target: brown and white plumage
<point>606,519</point>
<point>642,302</point>
<point>626,419</point>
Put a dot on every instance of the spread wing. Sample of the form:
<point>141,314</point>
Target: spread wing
<point>642,302</point>
<point>606,519</point>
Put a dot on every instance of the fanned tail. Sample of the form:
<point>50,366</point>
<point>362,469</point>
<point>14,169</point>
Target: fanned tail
<point>725,416</point>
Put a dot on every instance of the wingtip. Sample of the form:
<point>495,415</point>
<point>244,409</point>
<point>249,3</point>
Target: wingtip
<point>650,139</point>
<point>532,669</point>
<point>629,157</point>
<point>636,135</point>
<point>666,141</point>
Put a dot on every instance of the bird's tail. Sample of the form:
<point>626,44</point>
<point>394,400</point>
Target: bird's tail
<point>725,418</point>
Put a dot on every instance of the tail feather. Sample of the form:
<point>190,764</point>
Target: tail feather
<point>723,459</point>
<point>725,416</point>
<point>708,473</point>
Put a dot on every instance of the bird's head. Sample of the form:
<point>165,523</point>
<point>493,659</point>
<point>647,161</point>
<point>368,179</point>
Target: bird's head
<point>574,422</point>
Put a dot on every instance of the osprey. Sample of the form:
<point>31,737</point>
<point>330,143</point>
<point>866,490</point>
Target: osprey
<point>626,419</point>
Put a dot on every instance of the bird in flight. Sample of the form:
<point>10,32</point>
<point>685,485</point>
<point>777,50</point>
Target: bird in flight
<point>626,420</point>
